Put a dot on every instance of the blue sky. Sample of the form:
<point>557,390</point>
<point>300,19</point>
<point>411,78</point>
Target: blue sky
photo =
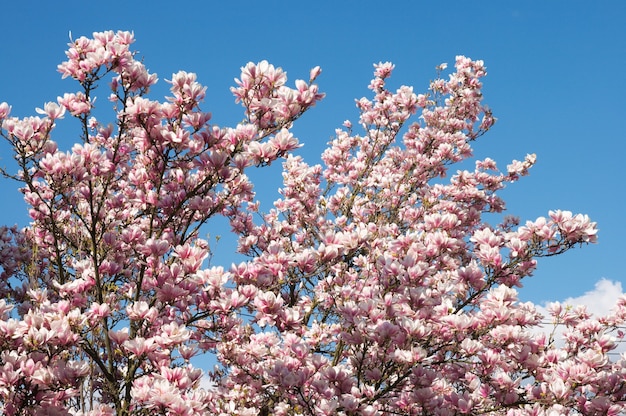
<point>556,84</point>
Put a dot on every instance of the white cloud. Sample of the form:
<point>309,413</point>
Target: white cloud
<point>599,302</point>
<point>206,382</point>
<point>601,299</point>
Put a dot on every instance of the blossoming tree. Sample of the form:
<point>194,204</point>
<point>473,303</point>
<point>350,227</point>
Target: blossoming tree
<point>375,286</point>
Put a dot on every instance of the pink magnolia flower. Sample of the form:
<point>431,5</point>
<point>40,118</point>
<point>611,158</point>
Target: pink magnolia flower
<point>5,110</point>
<point>52,110</point>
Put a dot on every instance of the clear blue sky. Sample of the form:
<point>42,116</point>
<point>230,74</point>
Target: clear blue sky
<point>556,83</point>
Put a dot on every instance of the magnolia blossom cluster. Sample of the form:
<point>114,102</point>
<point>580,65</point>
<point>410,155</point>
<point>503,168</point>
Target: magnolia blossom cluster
<point>375,286</point>
<point>268,102</point>
<point>106,295</point>
<point>382,289</point>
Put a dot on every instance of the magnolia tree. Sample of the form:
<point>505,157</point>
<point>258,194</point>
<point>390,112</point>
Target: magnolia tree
<point>376,285</point>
